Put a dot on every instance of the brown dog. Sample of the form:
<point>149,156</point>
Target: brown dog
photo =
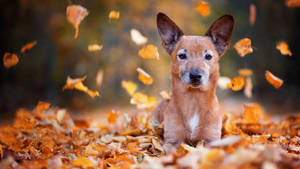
<point>192,114</point>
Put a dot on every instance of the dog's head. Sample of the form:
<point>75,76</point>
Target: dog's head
<point>195,58</point>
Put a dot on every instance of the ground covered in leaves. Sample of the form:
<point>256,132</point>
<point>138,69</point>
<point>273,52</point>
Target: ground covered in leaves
<point>48,137</point>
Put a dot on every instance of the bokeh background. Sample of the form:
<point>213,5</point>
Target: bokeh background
<point>42,72</point>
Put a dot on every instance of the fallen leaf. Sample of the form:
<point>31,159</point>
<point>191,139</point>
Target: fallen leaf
<point>236,83</point>
<point>248,87</point>
<point>129,86</point>
<point>149,52</point>
<point>77,84</point>
<point>99,78</point>
<point>142,101</point>
<point>114,15</point>
<point>41,106</point>
<point>83,162</point>
<point>292,3</point>
<point>253,113</point>
<point>94,47</point>
<point>245,72</point>
<point>252,14</point>
<point>112,116</point>
<point>165,94</point>
<point>223,81</point>
<point>243,47</point>
<point>75,14</point>
<point>273,80</point>
<point>10,59</point>
<point>283,48</point>
<point>144,76</point>
<point>203,8</point>
<point>137,37</point>
<point>28,46</point>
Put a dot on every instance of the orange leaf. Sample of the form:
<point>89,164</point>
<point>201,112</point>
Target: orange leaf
<point>245,72</point>
<point>253,113</point>
<point>83,162</point>
<point>94,47</point>
<point>149,52</point>
<point>165,94</point>
<point>292,3</point>
<point>41,106</point>
<point>112,116</point>
<point>142,101</point>
<point>99,78</point>
<point>203,8</point>
<point>28,46</point>
<point>77,84</point>
<point>252,14</point>
<point>114,15</point>
<point>236,83</point>
<point>129,86</point>
<point>144,77</point>
<point>243,47</point>
<point>273,80</point>
<point>248,87</point>
<point>283,48</point>
<point>75,14</point>
<point>10,59</point>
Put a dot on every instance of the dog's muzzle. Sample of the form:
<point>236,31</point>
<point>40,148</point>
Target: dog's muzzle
<point>194,77</point>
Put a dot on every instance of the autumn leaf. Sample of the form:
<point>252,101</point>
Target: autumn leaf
<point>149,52</point>
<point>252,14</point>
<point>112,116</point>
<point>41,106</point>
<point>114,15</point>
<point>248,87</point>
<point>77,84</point>
<point>10,59</point>
<point>292,3</point>
<point>243,47</point>
<point>129,86</point>
<point>28,46</point>
<point>99,78</point>
<point>142,101</point>
<point>144,76</point>
<point>165,94</point>
<point>223,81</point>
<point>245,72</point>
<point>283,48</point>
<point>236,83</point>
<point>137,37</point>
<point>253,113</point>
<point>83,162</point>
<point>273,80</point>
<point>75,15</point>
<point>94,47</point>
<point>203,8</point>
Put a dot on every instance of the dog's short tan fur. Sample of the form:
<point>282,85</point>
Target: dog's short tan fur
<point>192,114</point>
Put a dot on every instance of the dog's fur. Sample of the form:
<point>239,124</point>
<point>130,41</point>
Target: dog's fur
<point>192,114</point>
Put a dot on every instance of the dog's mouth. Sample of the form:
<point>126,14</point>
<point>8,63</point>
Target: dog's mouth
<point>194,81</point>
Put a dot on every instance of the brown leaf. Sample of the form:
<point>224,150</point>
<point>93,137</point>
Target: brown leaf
<point>28,46</point>
<point>10,59</point>
<point>77,84</point>
<point>273,80</point>
<point>75,14</point>
<point>252,14</point>
<point>292,3</point>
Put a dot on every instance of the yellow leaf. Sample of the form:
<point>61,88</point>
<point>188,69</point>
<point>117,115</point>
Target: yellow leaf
<point>112,116</point>
<point>149,52</point>
<point>94,47</point>
<point>114,15</point>
<point>41,106</point>
<point>77,84</point>
<point>283,48</point>
<point>165,94</point>
<point>203,8</point>
<point>75,14</point>
<point>236,83</point>
<point>129,86</point>
<point>142,101</point>
<point>83,162</point>
<point>28,46</point>
<point>10,59</point>
<point>144,77</point>
<point>273,80</point>
<point>137,37</point>
<point>243,47</point>
<point>245,72</point>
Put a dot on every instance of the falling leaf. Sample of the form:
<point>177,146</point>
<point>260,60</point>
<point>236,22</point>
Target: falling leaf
<point>142,101</point>
<point>245,72</point>
<point>223,81</point>
<point>243,47</point>
<point>77,84</point>
<point>252,14</point>
<point>236,83</point>
<point>292,3</point>
<point>248,87</point>
<point>149,52</point>
<point>165,94</point>
<point>129,86</point>
<point>114,15</point>
<point>137,37</point>
<point>144,77</point>
<point>283,48</point>
<point>112,116</point>
<point>94,47</point>
<point>83,162</point>
<point>75,14</point>
<point>99,78</point>
<point>203,8</point>
<point>10,59</point>
<point>28,46</point>
<point>273,80</point>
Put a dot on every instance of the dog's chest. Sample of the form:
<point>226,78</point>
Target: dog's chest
<point>193,122</point>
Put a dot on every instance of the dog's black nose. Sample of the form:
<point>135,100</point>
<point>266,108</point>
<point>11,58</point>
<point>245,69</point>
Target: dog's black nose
<point>195,76</point>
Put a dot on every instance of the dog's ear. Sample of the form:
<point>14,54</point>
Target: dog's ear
<point>169,32</point>
<point>220,33</point>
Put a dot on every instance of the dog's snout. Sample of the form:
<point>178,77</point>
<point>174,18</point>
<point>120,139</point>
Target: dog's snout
<point>195,75</point>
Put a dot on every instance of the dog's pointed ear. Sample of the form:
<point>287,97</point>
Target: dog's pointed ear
<point>169,32</point>
<point>220,33</point>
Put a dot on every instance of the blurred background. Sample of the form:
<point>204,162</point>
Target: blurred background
<point>41,72</point>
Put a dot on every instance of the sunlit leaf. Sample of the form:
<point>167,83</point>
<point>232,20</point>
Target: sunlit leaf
<point>75,14</point>
<point>283,48</point>
<point>28,46</point>
<point>236,83</point>
<point>112,116</point>
<point>245,72</point>
<point>149,52</point>
<point>94,47</point>
<point>203,8</point>
<point>83,162</point>
<point>243,47</point>
<point>77,84</point>
<point>292,3</point>
<point>223,81</point>
<point>252,14</point>
<point>129,86</point>
<point>99,78</point>
<point>41,106</point>
<point>144,77</point>
<point>165,94</point>
<point>142,101</point>
<point>273,80</point>
<point>248,87</point>
<point>114,15</point>
<point>10,59</point>
<point>137,37</point>
<point>253,113</point>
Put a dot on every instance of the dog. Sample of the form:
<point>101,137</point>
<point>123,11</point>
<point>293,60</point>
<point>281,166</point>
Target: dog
<point>192,113</point>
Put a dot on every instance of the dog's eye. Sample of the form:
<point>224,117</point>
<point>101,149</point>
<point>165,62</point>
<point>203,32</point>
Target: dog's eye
<point>182,56</point>
<point>208,56</point>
